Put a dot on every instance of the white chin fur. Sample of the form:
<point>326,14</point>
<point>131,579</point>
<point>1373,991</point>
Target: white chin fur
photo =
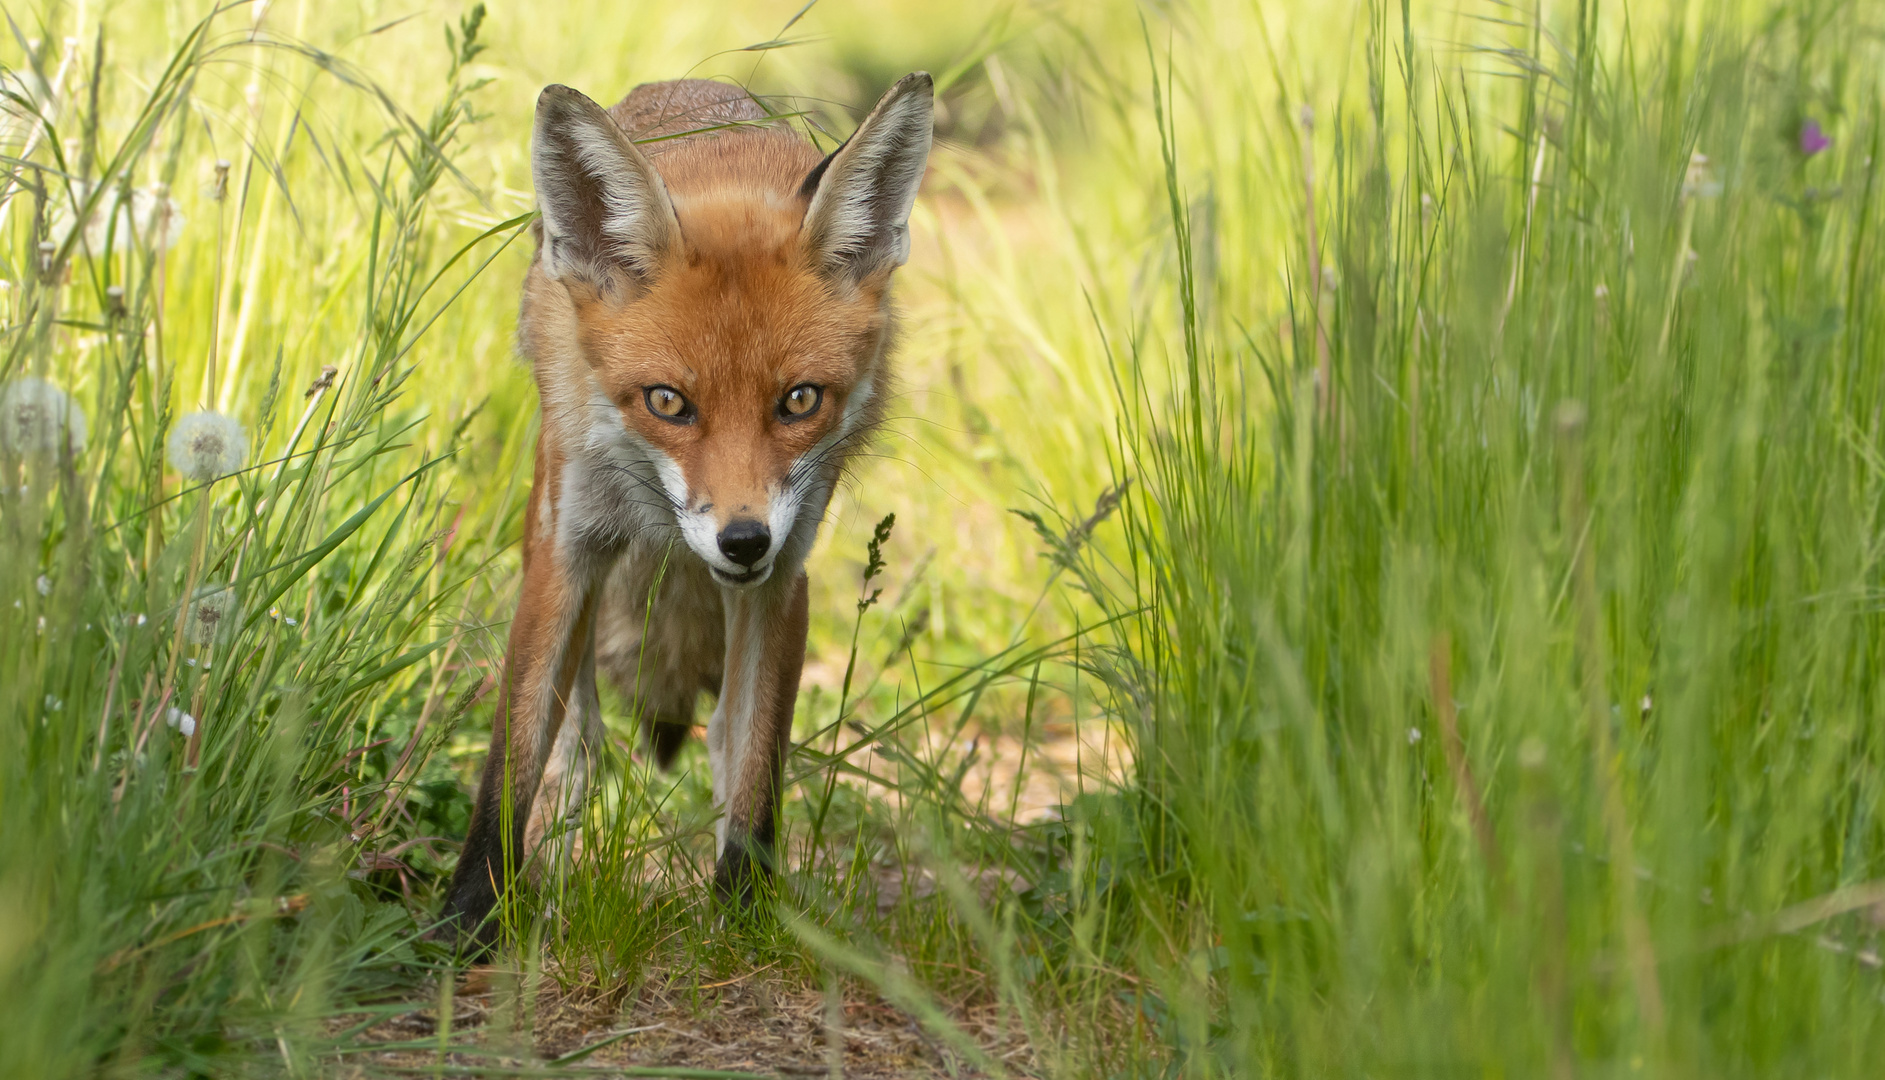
<point>741,583</point>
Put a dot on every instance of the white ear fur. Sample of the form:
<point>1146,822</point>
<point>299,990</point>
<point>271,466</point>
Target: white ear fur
<point>606,214</point>
<point>858,221</point>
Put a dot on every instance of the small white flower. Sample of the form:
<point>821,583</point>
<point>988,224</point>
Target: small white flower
<point>44,585</point>
<point>182,721</point>
<point>1413,736</point>
<point>33,415</point>
<point>150,217</point>
<point>207,446</point>
<point>210,611</point>
<point>1699,181</point>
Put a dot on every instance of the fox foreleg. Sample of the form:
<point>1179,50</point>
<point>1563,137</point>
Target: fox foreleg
<point>557,811</point>
<point>549,672</point>
<point>751,728</point>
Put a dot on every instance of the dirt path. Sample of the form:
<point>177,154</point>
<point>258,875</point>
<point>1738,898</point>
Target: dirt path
<point>761,1024</point>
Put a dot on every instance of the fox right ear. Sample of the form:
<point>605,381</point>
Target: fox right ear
<point>607,221</point>
<point>857,223</point>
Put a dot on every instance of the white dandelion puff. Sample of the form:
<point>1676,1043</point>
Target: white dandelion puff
<point>211,610</point>
<point>207,446</point>
<point>149,217</point>
<point>34,414</point>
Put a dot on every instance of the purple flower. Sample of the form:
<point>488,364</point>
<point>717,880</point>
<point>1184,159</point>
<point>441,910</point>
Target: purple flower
<point>1812,139</point>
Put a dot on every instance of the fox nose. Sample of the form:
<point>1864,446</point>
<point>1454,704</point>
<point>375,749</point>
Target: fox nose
<point>745,541</point>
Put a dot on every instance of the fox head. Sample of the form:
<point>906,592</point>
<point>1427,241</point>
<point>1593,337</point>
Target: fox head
<point>726,315</point>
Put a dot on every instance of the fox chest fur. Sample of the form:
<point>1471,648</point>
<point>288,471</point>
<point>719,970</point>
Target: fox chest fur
<point>708,321</point>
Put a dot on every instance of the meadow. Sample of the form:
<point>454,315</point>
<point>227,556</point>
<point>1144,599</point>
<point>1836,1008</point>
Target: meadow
<point>1374,568</point>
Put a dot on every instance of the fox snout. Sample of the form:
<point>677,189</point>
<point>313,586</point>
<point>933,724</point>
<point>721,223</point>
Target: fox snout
<point>745,541</point>
<point>740,546</point>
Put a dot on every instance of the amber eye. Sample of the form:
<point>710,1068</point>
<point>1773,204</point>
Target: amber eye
<point>667,403</point>
<point>800,402</point>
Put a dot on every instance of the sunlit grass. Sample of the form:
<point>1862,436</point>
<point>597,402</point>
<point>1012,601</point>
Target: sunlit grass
<point>1459,633</point>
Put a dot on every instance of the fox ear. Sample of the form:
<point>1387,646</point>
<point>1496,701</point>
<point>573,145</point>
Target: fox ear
<point>858,222</point>
<point>607,221</point>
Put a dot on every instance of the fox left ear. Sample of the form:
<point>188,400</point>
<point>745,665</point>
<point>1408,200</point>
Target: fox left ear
<point>858,222</point>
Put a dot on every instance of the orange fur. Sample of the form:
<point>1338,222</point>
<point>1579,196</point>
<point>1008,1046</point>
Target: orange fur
<point>709,327</point>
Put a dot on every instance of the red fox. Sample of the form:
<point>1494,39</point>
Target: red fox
<point>709,324</point>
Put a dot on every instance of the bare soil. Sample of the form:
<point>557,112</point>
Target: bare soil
<point>760,1024</point>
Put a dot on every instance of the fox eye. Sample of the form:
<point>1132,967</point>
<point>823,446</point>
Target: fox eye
<point>800,402</point>
<point>667,403</point>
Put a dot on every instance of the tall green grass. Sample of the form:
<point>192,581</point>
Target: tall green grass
<point>216,632</point>
<point>1506,692</point>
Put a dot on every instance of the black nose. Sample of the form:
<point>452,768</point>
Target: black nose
<point>745,541</point>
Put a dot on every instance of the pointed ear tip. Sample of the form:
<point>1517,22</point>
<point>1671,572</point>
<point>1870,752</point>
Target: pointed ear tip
<point>556,94</point>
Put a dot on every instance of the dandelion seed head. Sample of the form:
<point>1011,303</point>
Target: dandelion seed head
<point>211,610</point>
<point>33,415</point>
<point>149,217</point>
<point>207,446</point>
